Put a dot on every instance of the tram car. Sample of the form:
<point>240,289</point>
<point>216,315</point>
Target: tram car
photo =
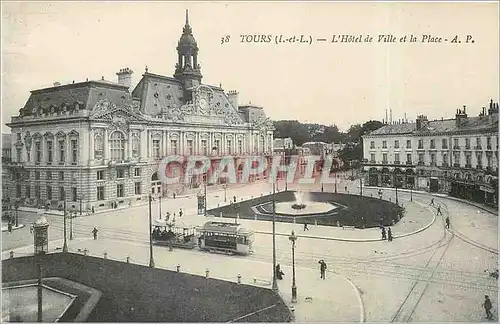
<point>174,235</point>
<point>225,237</point>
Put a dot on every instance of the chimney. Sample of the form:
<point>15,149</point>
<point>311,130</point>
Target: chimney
<point>421,119</point>
<point>57,83</point>
<point>125,77</point>
<point>460,116</point>
<point>233,98</point>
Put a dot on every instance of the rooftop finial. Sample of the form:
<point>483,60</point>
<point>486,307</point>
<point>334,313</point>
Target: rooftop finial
<point>146,69</point>
<point>187,18</point>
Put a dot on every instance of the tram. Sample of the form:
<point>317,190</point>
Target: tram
<point>213,236</point>
<point>173,235</point>
<point>225,237</point>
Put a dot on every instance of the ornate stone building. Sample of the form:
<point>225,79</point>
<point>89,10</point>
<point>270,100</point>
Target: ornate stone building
<point>99,142</point>
<point>454,156</point>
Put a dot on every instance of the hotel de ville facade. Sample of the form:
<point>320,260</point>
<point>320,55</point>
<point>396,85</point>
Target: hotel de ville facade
<point>98,144</point>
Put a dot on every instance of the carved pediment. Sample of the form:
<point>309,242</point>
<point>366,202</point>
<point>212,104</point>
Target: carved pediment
<point>48,135</point>
<point>73,133</point>
<point>60,134</point>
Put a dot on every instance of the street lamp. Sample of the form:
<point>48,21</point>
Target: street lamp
<point>336,177</point>
<point>80,197</point>
<point>205,195</point>
<point>71,216</point>
<point>411,195</point>
<point>65,244</point>
<point>225,192</point>
<point>275,283</point>
<point>151,260</point>
<point>292,239</point>
<point>16,206</point>
<point>396,185</point>
<point>159,203</point>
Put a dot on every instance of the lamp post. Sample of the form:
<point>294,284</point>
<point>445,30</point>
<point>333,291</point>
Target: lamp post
<point>65,244</point>
<point>396,185</point>
<point>361,186</point>
<point>71,216</point>
<point>17,211</point>
<point>275,283</point>
<point>411,195</point>
<point>159,203</point>
<point>151,260</point>
<point>205,195</point>
<point>336,182</point>
<point>80,197</point>
<point>225,192</point>
<point>292,239</point>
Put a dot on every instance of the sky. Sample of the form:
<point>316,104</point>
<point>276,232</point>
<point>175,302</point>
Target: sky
<point>327,83</point>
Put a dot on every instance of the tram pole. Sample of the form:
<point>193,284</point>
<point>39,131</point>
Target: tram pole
<point>151,260</point>
<point>205,198</point>
<point>275,283</point>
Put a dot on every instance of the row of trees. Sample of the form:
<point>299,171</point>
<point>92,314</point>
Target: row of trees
<point>301,133</point>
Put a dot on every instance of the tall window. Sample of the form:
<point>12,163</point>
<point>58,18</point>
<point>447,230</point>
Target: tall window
<point>50,150</point>
<point>62,151</point>
<point>173,147</point>
<point>117,146</point>
<point>261,143</point>
<point>421,158</point>
<point>229,146</point>
<point>18,190</point>
<point>119,190</point>
<point>49,192</point>
<point>372,157</point>
<point>372,144</point>
<point>420,144</point>
<point>433,158</point>
<point>408,143</point>
<point>98,147</point>
<point>37,191</point>
<point>408,158</point>
<point>217,146</point>
<point>433,144</point>
<point>396,144</point>
<point>137,172</point>
<point>49,175</point>
<point>19,153</point>
<point>100,193</point>
<point>467,143</point>
<point>384,158</point>
<point>240,147</point>
<point>478,142</point>
<point>62,193</point>
<point>120,173</point>
<point>444,143</point>
<point>457,159</point>
<point>396,158</point>
<point>445,159</point>
<point>137,188</point>
<point>136,145</point>
<point>455,143</point>
<point>61,175</point>
<point>488,143</point>
<point>37,175</point>
<point>468,160</point>
<point>100,175</point>
<point>74,194</point>
<point>384,144</point>
<point>479,160</point>
<point>190,147</point>
<point>204,147</point>
<point>74,151</point>
<point>38,152</point>
<point>28,191</point>
<point>156,148</point>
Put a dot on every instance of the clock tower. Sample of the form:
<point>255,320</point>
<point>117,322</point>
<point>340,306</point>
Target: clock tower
<point>187,68</point>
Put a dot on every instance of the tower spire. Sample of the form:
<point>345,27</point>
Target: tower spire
<point>187,17</point>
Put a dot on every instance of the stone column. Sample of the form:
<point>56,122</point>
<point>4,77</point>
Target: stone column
<point>91,144</point>
<point>164,139</point>
<point>128,153</point>
<point>181,143</point>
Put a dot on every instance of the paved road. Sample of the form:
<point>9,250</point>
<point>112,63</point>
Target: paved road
<point>434,275</point>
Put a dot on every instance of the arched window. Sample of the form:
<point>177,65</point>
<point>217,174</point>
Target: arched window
<point>117,145</point>
<point>261,144</point>
<point>98,146</point>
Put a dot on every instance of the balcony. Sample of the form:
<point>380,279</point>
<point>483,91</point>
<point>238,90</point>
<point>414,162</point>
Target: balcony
<point>468,166</point>
<point>488,147</point>
<point>456,165</point>
<point>433,147</point>
<point>478,148</point>
<point>479,167</point>
<point>444,147</point>
<point>421,163</point>
<point>397,162</point>
<point>408,163</point>
<point>456,147</point>
<point>420,147</point>
<point>467,147</point>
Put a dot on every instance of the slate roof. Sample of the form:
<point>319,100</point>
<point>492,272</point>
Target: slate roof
<point>86,94</point>
<point>470,124</point>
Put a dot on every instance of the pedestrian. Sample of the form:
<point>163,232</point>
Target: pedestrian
<point>432,202</point>
<point>447,221</point>
<point>234,198</point>
<point>167,217</point>
<point>439,211</point>
<point>93,211</point>
<point>384,234</point>
<point>345,188</point>
<point>305,227</point>
<point>322,269</point>
<point>9,227</point>
<point>389,235</point>
<point>180,212</point>
<point>94,232</point>
<point>279,273</point>
<point>31,228</point>
<point>174,195</point>
<point>487,307</point>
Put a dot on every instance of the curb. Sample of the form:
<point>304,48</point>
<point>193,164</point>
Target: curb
<point>362,318</point>
<point>6,229</point>
<point>440,195</point>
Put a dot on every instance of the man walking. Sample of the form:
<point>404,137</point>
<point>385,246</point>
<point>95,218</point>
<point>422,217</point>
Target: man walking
<point>305,227</point>
<point>439,211</point>
<point>447,221</point>
<point>389,235</point>
<point>487,307</point>
<point>322,269</point>
<point>94,232</point>
<point>432,202</point>
<point>384,234</point>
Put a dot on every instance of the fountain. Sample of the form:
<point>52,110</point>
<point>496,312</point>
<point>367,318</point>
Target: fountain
<point>303,206</point>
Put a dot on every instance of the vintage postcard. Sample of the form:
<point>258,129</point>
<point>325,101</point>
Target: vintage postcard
<point>249,161</point>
